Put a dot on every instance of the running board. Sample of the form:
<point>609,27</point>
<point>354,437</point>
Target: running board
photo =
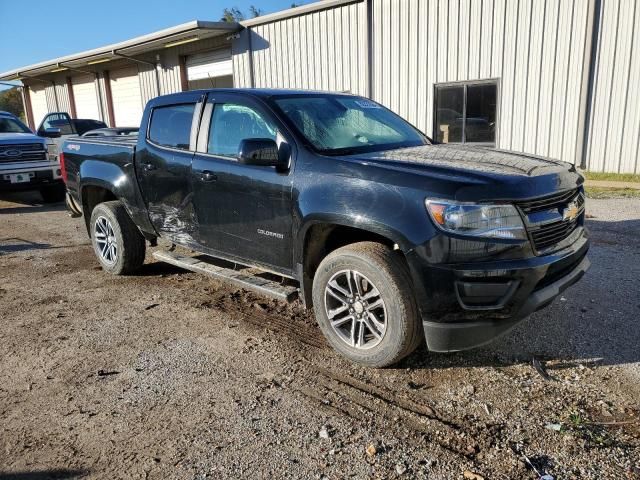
<point>255,282</point>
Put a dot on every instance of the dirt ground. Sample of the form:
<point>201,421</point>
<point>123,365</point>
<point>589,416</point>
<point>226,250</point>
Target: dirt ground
<point>168,374</point>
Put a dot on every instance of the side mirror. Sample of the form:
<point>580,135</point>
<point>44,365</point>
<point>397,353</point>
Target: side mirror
<point>260,151</point>
<point>52,133</point>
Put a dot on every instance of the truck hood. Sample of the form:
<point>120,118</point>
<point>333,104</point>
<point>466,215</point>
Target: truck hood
<point>19,138</point>
<point>479,172</point>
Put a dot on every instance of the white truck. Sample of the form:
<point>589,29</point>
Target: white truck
<point>24,162</point>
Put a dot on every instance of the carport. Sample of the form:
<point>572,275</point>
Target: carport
<point>113,83</point>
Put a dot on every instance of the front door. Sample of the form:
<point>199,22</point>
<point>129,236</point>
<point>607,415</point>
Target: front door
<point>163,167</point>
<point>244,212</point>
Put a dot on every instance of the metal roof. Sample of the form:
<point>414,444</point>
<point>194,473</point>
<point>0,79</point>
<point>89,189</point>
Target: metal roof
<point>186,32</point>
<point>297,11</point>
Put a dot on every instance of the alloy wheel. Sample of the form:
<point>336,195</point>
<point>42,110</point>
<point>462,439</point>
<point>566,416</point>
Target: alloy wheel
<point>106,240</point>
<point>355,309</point>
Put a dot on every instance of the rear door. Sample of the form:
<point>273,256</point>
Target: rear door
<point>163,167</point>
<point>243,211</point>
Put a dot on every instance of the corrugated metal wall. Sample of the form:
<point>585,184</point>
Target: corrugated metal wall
<point>324,50</point>
<point>535,48</point>
<point>614,123</point>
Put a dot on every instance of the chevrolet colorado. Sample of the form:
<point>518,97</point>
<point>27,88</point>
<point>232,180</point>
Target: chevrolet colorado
<point>392,239</point>
<point>24,164</point>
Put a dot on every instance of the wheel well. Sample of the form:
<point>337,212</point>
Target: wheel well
<point>322,239</point>
<point>92,196</point>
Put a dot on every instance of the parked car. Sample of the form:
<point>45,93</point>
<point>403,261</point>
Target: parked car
<point>23,161</point>
<point>58,126</point>
<point>390,238</point>
<point>110,132</point>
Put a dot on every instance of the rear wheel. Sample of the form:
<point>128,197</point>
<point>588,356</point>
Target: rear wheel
<point>53,193</point>
<point>363,301</point>
<point>117,242</point>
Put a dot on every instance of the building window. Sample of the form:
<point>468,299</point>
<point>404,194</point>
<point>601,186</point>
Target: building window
<point>466,112</point>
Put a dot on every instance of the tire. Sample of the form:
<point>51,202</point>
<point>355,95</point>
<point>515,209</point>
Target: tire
<point>53,193</point>
<point>117,242</point>
<point>374,267</point>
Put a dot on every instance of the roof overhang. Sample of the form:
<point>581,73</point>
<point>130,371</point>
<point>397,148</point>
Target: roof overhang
<point>91,59</point>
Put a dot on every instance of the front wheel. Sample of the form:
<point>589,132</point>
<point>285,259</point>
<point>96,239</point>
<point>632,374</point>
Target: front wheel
<point>363,301</point>
<point>117,242</point>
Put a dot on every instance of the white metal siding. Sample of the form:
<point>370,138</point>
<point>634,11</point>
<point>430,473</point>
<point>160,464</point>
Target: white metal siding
<point>86,96</point>
<point>614,132</point>
<point>323,50</point>
<point>127,99</point>
<point>38,97</point>
<point>535,48</point>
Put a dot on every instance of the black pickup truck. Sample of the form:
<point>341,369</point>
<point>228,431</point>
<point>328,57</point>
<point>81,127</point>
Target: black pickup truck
<point>336,200</point>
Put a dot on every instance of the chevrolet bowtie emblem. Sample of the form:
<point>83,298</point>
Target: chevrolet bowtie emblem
<point>571,212</point>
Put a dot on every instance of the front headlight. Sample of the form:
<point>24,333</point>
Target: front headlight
<point>477,220</point>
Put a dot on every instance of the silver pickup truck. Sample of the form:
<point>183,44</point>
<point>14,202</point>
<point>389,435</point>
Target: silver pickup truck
<point>24,163</point>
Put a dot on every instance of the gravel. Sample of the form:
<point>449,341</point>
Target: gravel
<point>167,374</point>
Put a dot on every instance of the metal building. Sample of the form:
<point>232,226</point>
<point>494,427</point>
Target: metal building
<point>556,78</point>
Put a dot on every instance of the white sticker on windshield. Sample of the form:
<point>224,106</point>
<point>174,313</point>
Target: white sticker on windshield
<point>367,104</point>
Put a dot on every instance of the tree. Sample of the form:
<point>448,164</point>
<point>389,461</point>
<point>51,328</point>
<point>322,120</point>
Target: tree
<point>255,12</point>
<point>232,14</point>
<point>11,101</point>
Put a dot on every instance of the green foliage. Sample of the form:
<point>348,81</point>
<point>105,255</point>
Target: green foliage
<point>255,12</point>
<point>232,14</point>
<point>616,177</point>
<point>11,101</point>
<point>603,192</point>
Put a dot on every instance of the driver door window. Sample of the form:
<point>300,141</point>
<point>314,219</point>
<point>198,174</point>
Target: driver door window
<point>231,123</point>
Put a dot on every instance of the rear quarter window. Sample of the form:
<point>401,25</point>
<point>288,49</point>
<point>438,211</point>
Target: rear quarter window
<point>171,125</point>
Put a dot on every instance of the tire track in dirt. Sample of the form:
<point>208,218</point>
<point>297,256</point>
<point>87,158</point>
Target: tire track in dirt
<point>356,396</point>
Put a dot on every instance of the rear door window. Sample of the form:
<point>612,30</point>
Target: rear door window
<point>171,125</point>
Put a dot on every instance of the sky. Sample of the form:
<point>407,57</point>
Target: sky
<point>40,30</point>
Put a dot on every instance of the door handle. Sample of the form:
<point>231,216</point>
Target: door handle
<point>208,176</point>
<point>149,166</point>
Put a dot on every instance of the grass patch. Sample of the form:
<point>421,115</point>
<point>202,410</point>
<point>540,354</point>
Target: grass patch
<point>602,192</point>
<point>614,177</point>
<point>594,434</point>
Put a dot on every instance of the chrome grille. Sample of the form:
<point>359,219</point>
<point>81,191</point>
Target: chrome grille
<point>552,228</point>
<point>24,152</point>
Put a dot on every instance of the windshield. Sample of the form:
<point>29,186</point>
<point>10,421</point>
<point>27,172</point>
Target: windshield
<point>11,125</point>
<point>334,124</point>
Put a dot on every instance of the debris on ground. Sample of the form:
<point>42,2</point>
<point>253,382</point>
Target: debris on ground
<point>469,475</point>
<point>553,426</point>
<point>537,364</point>
<point>401,468</point>
<point>106,373</point>
<point>324,433</point>
<point>372,450</point>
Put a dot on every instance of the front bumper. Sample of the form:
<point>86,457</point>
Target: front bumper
<point>40,176</point>
<point>469,305</point>
<point>451,337</point>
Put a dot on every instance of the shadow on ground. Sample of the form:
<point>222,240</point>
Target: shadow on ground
<point>43,475</point>
<point>28,202</point>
